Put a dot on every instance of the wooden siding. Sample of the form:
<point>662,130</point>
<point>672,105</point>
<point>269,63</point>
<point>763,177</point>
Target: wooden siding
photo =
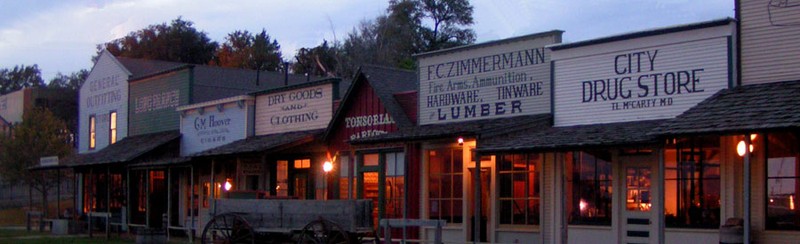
<point>150,115</point>
<point>107,87</point>
<point>304,108</point>
<point>769,46</point>
<point>583,74</point>
<point>480,81</point>
<point>364,103</point>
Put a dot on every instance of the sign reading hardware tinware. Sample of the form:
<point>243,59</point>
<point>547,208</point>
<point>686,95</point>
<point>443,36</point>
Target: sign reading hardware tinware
<point>305,108</point>
<point>509,78</point>
<point>655,82</point>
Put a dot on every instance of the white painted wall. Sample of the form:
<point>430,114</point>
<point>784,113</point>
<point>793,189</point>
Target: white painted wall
<point>12,106</point>
<point>625,80</point>
<point>105,90</point>
<point>769,47</point>
<point>299,109</point>
<point>492,81</point>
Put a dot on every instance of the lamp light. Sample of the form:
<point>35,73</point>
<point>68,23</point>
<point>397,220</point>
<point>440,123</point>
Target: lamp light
<point>327,166</point>
<point>228,185</point>
<point>460,141</point>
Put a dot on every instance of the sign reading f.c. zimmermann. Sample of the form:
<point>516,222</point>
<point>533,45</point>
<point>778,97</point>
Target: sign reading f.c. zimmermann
<point>491,80</point>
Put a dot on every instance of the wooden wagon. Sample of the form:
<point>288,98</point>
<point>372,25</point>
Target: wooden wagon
<point>278,221</point>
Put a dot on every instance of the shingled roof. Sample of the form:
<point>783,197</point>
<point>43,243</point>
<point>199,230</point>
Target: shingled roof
<point>741,109</point>
<point>127,149</point>
<point>263,143</point>
<point>486,127</point>
<point>141,68</point>
<point>613,134</point>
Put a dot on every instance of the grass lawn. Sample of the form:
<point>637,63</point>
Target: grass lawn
<point>16,216</point>
<point>22,236</point>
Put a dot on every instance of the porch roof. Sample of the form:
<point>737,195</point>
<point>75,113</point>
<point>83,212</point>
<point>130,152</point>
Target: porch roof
<point>741,109</point>
<point>486,127</point>
<point>612,134</point>
<point>263,143</point>
<point>127,149</point>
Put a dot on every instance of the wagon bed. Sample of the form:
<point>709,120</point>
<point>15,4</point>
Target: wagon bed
<point>247,220</point>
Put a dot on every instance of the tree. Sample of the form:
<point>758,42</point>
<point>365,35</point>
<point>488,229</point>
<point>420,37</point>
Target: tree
<point>72,81</point>
<point>449,17</point>
<point>321,60</point>
<point>39,135</point>
<point>21,76</point>
<point>393,38</point>
<point>244,50</point>
<point>178,41</point>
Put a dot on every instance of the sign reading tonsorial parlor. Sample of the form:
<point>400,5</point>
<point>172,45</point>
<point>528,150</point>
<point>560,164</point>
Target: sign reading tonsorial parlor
<point>501,79</point>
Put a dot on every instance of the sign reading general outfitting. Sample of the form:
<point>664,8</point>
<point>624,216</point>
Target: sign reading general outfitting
<point>304,108</point>
<point>635,79</point>
<point>499,79</point>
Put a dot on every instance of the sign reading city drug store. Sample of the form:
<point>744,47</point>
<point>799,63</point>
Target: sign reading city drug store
<point>492,80</point>
<point>638,79</point>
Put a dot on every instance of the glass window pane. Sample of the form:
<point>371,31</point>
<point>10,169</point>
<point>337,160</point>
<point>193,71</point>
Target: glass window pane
<point>371,159</point>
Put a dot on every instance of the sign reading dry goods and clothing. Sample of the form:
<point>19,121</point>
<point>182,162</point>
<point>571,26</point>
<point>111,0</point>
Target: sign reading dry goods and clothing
<point>635,80</point>
<point>492,80</point>
<point>304,108</point>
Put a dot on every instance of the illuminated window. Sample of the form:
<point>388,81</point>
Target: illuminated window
<point>395,184</point>
<point>112,127</point>
<point>783,181</point>
<point>445,184</point>
<point>345,181</point>
<point>589,188</point>
<point>302,163</point>
<point>518,177</point>
<point>282,187</point>
<point>692,183</point>
<point>92,132</point>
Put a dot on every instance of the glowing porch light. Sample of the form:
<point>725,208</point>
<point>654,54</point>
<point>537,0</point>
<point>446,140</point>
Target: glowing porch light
<point>582,205</point>
<point>791,202</point>
<point>327,166</point>
<point>740,148</point>
<point>228,185</point>
<point>460,140</point>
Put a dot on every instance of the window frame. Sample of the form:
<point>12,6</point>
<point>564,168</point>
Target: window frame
<point>453,174</point>
<point>92,131</point>
<point>577,156</point>
<point>529,158</point>
<point>112,126</point>
<point>695,145</point>
<point>766,157</point>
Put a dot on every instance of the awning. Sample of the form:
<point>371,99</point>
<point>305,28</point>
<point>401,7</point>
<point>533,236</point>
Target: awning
<point>742,109</point>
<point>570,137</point>
<point>263,143</point>
<point>125,150</point>
<point>486,127</point>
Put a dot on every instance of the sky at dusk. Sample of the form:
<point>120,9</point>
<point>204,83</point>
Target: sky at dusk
<point>61,36</point>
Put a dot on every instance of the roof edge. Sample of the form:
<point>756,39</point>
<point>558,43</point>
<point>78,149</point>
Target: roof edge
<point>488,43</point>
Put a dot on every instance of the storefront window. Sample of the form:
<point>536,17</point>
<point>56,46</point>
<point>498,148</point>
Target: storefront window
<point>783,181</point>
<point>589,188</point>
<point>692,183</point>
<point>445,182</point>
<point>395,184</point>
<point>112,127</point>
<point>345,182</point>
<point>518,176</point>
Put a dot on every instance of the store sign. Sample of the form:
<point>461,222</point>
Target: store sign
<point>367,125</point>
<point>158,101</point>
<point>491,82</point>
<point>640,84</point>
<point>104,91</point>
<point>295,110</point>
<point>208,127</point>
<point>48,161</point>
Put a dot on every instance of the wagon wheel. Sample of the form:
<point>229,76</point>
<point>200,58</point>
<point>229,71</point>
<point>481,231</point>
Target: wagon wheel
<point>228,228</point>
<point>323,231</point>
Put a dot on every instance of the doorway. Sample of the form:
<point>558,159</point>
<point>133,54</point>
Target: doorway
<point>638,222</point>
<point>486,178</point>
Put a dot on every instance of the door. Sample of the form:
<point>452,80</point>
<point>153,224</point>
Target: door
<point>638,215</point>
<point>485,201</point>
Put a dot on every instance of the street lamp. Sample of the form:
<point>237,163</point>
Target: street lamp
<point>327,167</point>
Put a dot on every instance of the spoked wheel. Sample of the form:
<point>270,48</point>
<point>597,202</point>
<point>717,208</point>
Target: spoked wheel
<point>323,231</point>
<point>228,228</point>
